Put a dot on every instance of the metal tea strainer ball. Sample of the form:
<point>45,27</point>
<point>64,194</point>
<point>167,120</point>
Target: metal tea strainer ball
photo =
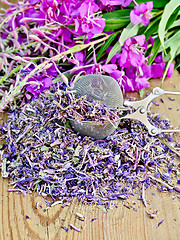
<point>105,90</point>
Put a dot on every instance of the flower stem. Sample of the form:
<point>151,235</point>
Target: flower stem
<point>14,92</point>
<point>135,3</point>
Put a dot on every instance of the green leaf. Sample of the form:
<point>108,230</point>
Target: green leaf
<point>115,24</point>
<point>117,19</point>
<point>168,10</point>
<point>172,18</point>
<point>75,160</point>
<point>173,49</point>
<point>116,48</point>
<point>117,14</point>
<point>177,65</point>
<point>67,123</point>
<point>154,50</point>
<point>59,78</point>
<point>156,4</point>
<point>152,28</point>
<point>141,92</point>
<point>44,148</point>
<point>77,150</point>
<point>106,45</point>
<point>130,31</point>
<point>175,24</point>
<point>90,51</point>
<point>175,39</point>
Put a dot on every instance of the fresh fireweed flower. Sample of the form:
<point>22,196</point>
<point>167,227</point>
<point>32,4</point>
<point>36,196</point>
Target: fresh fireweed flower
<point>132,78</point>
<point>141,13</point>
<point>124,82</point>
<point>63,35</point>
<point>80,58</point>
<point>150,41</point>
<point>18,19</point>
<point>123,3</point>
<point>134,71</point>
<point>43,83</point>
<point>89,22</point>
<point>31,13</point>
<point>33,2</point>
<point>138,76</point>
<point>132,52</point>
<point>69,10</point>
<point>157,69</point>
<point>99,69</point>
<point>49,7</point>
<point>39,82</point>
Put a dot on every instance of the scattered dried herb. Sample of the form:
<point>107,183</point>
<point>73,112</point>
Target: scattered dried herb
<point>43,154</point>
<point>65,228</point>
<point>160,223</point>
<point>75,228</point>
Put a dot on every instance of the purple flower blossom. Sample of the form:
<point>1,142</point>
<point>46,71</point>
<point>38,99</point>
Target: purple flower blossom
<point>124,82</point>
<point>150,41</point>
<point>123,3</point>
<point>134,71</point>
<point>170,70</point>
<point>69,10</point>
<point>98,68</point>
<point>138,76</point>
<point>44,84</point>
<point>79,57</point>
<point>49,7</point>
<point>132,78</point>
<point>141,13</point>
<point>40,82</point>
<point>157,69</point>
<point>88,21</point>
<point>109,68</point>
<point>132,52</point>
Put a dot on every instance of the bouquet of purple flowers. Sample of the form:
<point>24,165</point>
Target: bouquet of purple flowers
<point>44,42</point>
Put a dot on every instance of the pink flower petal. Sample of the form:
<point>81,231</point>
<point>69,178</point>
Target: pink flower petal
<point>141,83</point>
<point>149,6</point>
<point>140,39</point>
<point>145,20</point>
<point>136,59</point>
<point>140,9</point>
<point>109,68</point>
<point>125,3</point>
<point>128,85</point>
<point>135,18</point>
<point>170,70</point>
<point>123,58</point>
<point>157,70</point>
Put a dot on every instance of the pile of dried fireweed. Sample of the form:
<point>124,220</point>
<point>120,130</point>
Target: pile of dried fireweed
<point>42,153</point>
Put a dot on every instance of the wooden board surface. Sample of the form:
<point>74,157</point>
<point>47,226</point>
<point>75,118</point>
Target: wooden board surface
<point>26,217</point>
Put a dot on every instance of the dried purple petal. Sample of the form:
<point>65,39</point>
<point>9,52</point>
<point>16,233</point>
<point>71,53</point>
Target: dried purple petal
<point>171,99</point>
<point>75,228</point>
<point>160,223</point>
<point>177,189</point>
<point>53,160</point>
<point>65,228</point>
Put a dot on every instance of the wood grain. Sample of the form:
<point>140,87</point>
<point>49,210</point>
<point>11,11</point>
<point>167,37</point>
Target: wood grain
<point>26,217</point>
